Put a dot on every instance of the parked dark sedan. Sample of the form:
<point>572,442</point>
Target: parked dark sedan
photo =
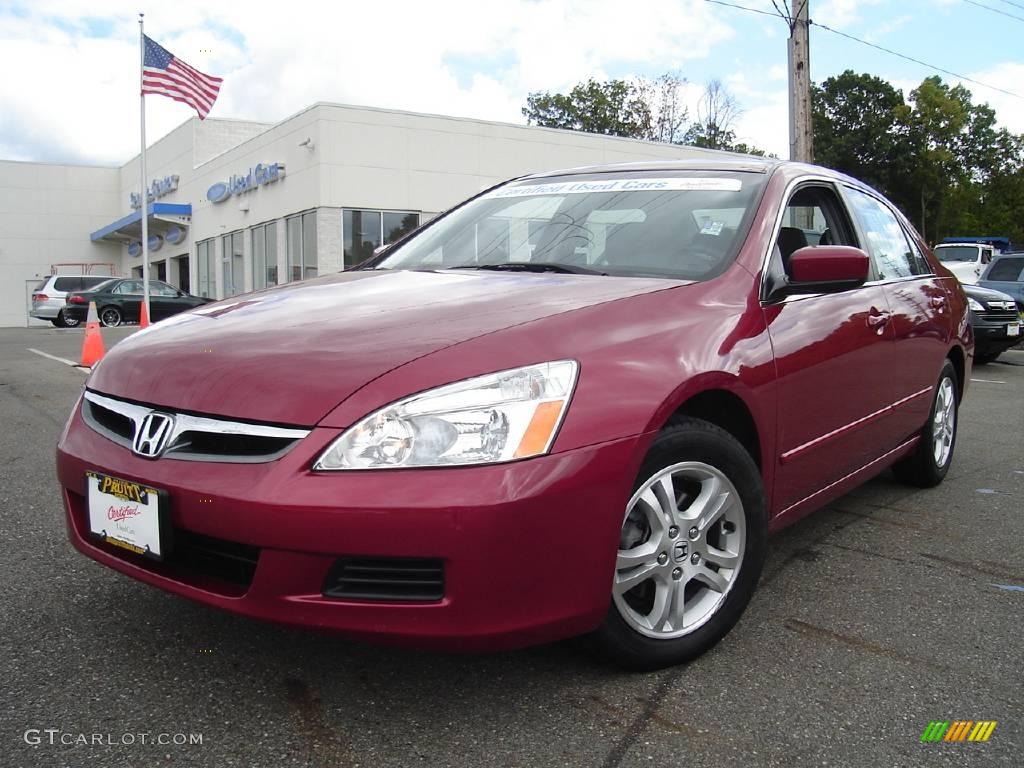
<point>995,322</point>
<point>120,300</point>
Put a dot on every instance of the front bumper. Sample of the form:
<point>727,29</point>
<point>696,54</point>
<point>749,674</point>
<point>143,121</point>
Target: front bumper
<point>528,548</point>
<point>991,336</point>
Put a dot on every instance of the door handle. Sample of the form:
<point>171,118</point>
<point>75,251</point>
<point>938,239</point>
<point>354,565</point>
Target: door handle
<point>938,301</point>
<point>878,319</point>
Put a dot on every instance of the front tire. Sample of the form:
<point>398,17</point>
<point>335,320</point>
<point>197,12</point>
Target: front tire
<point>929,463</point>
<point>111,317</point>
<point>691,548</point>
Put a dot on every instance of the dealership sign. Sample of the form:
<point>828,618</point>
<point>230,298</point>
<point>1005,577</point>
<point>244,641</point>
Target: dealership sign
<point>236,185</point>
<point>157,189</point>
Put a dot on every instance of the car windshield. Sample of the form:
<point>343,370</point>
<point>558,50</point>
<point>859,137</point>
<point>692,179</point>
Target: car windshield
<point>957,253</point>
<point>676,224</point>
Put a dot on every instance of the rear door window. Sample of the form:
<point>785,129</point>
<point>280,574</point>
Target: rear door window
<point>886,242</point>
<point>91,282</point>
<point>1006,269</point>
<point>67,284</point>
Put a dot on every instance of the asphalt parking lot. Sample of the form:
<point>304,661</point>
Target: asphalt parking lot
<point>891,608</point>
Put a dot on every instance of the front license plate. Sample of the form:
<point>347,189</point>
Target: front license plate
<point>127,514</point>
<point>1013,329</point>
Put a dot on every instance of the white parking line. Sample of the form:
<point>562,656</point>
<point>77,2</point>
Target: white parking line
<point>989,381</point>
<point>64,360</point>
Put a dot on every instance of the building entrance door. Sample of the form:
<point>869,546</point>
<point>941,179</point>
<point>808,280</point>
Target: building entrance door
<point>182,269</point>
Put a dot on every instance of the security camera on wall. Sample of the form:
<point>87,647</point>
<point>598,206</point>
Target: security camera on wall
<point>244,206</point>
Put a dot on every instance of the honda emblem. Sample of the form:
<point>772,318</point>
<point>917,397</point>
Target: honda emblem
<point>153,435</point>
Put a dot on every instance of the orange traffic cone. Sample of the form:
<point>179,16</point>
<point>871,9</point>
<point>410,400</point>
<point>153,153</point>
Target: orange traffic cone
<point>92,344</point>
<point>143,316</point>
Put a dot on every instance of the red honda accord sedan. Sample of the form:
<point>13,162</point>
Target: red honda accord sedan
<point>575,404</point>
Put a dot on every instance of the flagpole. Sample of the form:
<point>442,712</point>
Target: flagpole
<point>144,198</point>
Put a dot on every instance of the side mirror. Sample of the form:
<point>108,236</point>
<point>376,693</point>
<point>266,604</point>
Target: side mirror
<point>827,269</point>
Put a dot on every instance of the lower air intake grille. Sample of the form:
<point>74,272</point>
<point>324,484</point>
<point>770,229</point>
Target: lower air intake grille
<point>392,578</point>
<point>228,561</point>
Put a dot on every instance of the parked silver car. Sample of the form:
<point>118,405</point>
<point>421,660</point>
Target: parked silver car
<point>48,297</point>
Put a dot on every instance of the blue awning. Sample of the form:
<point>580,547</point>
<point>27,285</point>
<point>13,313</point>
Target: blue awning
<point>161,216</point>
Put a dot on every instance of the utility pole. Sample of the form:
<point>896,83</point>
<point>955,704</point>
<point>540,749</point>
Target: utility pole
<point>801,147</point>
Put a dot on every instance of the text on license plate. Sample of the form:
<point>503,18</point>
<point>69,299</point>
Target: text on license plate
<point>125,514</point>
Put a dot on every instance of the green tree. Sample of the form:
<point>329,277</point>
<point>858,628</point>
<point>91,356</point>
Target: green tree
<point>613,108</point>
<point>859,124</point>
<point>653,110</point>
<point>937,154</point>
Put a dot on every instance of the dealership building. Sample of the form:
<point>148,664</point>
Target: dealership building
<point>235,206</point>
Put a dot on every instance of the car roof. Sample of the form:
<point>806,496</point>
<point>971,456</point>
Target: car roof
<point>741,163</point>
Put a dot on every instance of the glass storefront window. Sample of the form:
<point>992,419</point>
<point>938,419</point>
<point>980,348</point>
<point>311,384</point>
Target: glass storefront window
<point>204,264</point>
<point>264,255</point>
<point>234,264</point>
<point>364,231</point>
<point>302,257</point>
<point>362,235</point>
<point>397,225</point>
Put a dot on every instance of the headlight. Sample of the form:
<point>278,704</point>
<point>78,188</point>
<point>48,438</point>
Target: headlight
<point>498,417</point>
<point>974,305</point>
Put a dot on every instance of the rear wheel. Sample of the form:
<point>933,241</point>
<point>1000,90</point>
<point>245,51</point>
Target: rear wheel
<point>929,463</point>
<point>63,321</point>
<point>111,317</point>
<point>691,548</point>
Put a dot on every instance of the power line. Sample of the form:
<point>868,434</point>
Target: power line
<point>1013,4</point>
<point>743,8</point>
<point>917,61</point>
<point>879,48</point>
<point>996,10</point>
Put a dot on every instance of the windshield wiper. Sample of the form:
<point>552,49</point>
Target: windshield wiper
<point>535,266</point>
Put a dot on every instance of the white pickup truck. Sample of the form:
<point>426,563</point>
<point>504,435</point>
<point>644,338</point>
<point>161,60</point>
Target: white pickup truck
<point>965,260</point>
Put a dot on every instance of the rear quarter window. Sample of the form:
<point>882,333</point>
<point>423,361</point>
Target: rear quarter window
<point>1006,269</point>
<point>67,284</point>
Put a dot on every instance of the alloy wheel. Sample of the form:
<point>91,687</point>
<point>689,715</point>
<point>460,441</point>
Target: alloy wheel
<point>680,550</point>
<point>943,422</point>
<point>110,317</point>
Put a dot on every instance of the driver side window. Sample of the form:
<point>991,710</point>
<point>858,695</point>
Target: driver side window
<point>813,216</point>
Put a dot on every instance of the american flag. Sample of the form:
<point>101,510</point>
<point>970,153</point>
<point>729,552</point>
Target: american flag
<point>166,75</point>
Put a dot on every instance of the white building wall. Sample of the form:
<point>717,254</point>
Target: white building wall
<point>335,157</point>
<point>46,215</point>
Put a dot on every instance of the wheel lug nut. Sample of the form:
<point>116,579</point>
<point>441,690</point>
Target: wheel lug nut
<point>677,574</point>
<point>673,532</point>
<point>663,558</point>
<point>694,533</point>
<point>695,558</point>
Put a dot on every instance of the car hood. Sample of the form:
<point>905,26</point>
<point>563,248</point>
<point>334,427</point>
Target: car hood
<point>289,355</point>
<point>966,271</point>
<point>980,293</point>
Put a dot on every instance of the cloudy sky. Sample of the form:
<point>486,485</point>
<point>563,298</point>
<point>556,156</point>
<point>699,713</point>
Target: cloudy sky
<point>70,83</point>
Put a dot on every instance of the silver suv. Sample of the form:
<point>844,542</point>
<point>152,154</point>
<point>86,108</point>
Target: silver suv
<point>48,296</point>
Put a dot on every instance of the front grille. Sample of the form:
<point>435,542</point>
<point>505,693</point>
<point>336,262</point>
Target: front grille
<point>116,423</point>
<point>1000,316</point>
<point>389,579</point>
<point>192,438</point>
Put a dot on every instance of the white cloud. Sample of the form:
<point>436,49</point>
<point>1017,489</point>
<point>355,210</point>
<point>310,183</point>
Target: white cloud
<point>841,13</point>
<point>76,94</point>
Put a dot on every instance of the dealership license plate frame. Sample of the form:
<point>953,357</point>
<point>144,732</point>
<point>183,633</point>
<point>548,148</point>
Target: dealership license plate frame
<point>1013,329</point>
<point>154,517</point>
